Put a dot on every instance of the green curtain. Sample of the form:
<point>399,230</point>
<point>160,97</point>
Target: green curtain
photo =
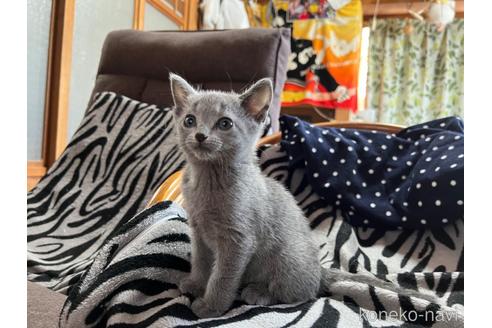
<point>418,76</point>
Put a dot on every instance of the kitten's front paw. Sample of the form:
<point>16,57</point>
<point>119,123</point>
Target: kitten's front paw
<point>191,286</point>
<point>201,309</point>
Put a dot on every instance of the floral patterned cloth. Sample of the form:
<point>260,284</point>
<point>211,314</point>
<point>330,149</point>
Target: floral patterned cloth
<point>415,72</point>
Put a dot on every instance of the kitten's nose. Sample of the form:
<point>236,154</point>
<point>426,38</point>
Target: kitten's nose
<point>200,137</point>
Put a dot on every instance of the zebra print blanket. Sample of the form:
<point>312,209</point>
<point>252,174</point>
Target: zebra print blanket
<point>132,281</point>
<point>120,154</point>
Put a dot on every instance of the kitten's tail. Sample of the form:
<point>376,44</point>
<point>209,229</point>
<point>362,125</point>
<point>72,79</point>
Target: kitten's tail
<point>330,277</point>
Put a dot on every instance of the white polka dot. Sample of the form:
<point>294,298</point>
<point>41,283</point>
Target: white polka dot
<point>302,139</point>
<point>418,185</point>
<point>371,171</point>
<point>320,140</point>
<point>354,172</point>
<point>438,202</point>
<point>409,163</point>
<point>356,133</point>
<point>389,169</point>
<point>339,196</point>
<point>364,184</point>
<point>419,203</point>
<point>327,185</point>
<point>316,174</point>
<point>348,183</point>
<point>314,150</point>
<point>416,143</point>
<point>441,137</point>
<point>325,132</point>
<point>422,136</point>
<point>425,126</point>
<point>388,137</point>
<point>350,148</point>
<point>366,148</point>
<point>442,124</point>
<point>435,148</point>
<point>461,156</point>
<point>403,177</point>
<point>378,194</point>
<point>428,159</point>
<point>453,165</point>
<point>384,147</point>
<point>295,124</point>
<point>378,159</point>
<point>423,221</point>
<point>397,189</point>
<point>400,147</point>
<point>353,141</point>
<point>444,220</point>
<point>388,213</point>
<point>434,184</point>
<point>422,171</point>
<point>394,158</point>
<point>366,221</point>
<point>413,153</point>
<point>292,142</point>
<point>307,132</point>
<point>332,150</point>
<point>403,218</point>
<point>343,129</point>
<point>374,131</point>
<point>450,147</point>
<point>405,204</point>
<point>337,139</point>
<point>305,163</point>
<point>427,139</point>
<point>291,158</point>
<point>335,173</point>
<point>452,182</point>
<point>358,196</point>
<point>359,161</point>
<point>351,213</point>
<point>325,162</point>
<point>383,181</point>
<point>372,205</point>
<point>424,151</point>
<point>286,131</point>
<point>342,160</point>
<point>437,169</point>
<point>460,202</point>
<point>337,202</point>
<point>457,138</point>
<point>369,140</point>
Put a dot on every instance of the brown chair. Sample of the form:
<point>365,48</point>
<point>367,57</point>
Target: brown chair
<point>137,64</point>
<point>171,190</point>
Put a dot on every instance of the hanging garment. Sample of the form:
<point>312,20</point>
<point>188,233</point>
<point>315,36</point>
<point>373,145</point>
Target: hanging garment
<point>324,64</point>
<point>223,15</point>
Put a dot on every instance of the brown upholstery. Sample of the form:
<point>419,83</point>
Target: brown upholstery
<point>43,306</point>
<point>137,64</point>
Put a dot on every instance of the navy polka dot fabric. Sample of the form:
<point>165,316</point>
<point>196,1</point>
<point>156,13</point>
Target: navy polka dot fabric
<point>412,179</point>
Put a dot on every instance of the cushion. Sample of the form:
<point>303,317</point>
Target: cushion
<point>120,154</point>
<point>137,63</point>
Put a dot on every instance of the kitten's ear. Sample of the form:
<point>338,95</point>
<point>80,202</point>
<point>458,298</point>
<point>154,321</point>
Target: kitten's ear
<point>181,91</point>
<point>256,100</point>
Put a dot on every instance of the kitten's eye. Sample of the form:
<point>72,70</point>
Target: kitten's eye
<point>224,123</point>
<point>189,121</point>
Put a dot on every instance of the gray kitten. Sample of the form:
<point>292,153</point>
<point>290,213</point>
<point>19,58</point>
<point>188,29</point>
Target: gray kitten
<point>247,231</point>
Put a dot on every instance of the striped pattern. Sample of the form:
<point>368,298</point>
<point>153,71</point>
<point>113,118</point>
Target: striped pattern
<point>133,281</point>
<point>120,154</point>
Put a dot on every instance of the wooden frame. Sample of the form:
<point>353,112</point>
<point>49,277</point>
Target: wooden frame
<point>399,8</point>
<point>171,188</point>
<point>188,20</point>
<point>57,89</point>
